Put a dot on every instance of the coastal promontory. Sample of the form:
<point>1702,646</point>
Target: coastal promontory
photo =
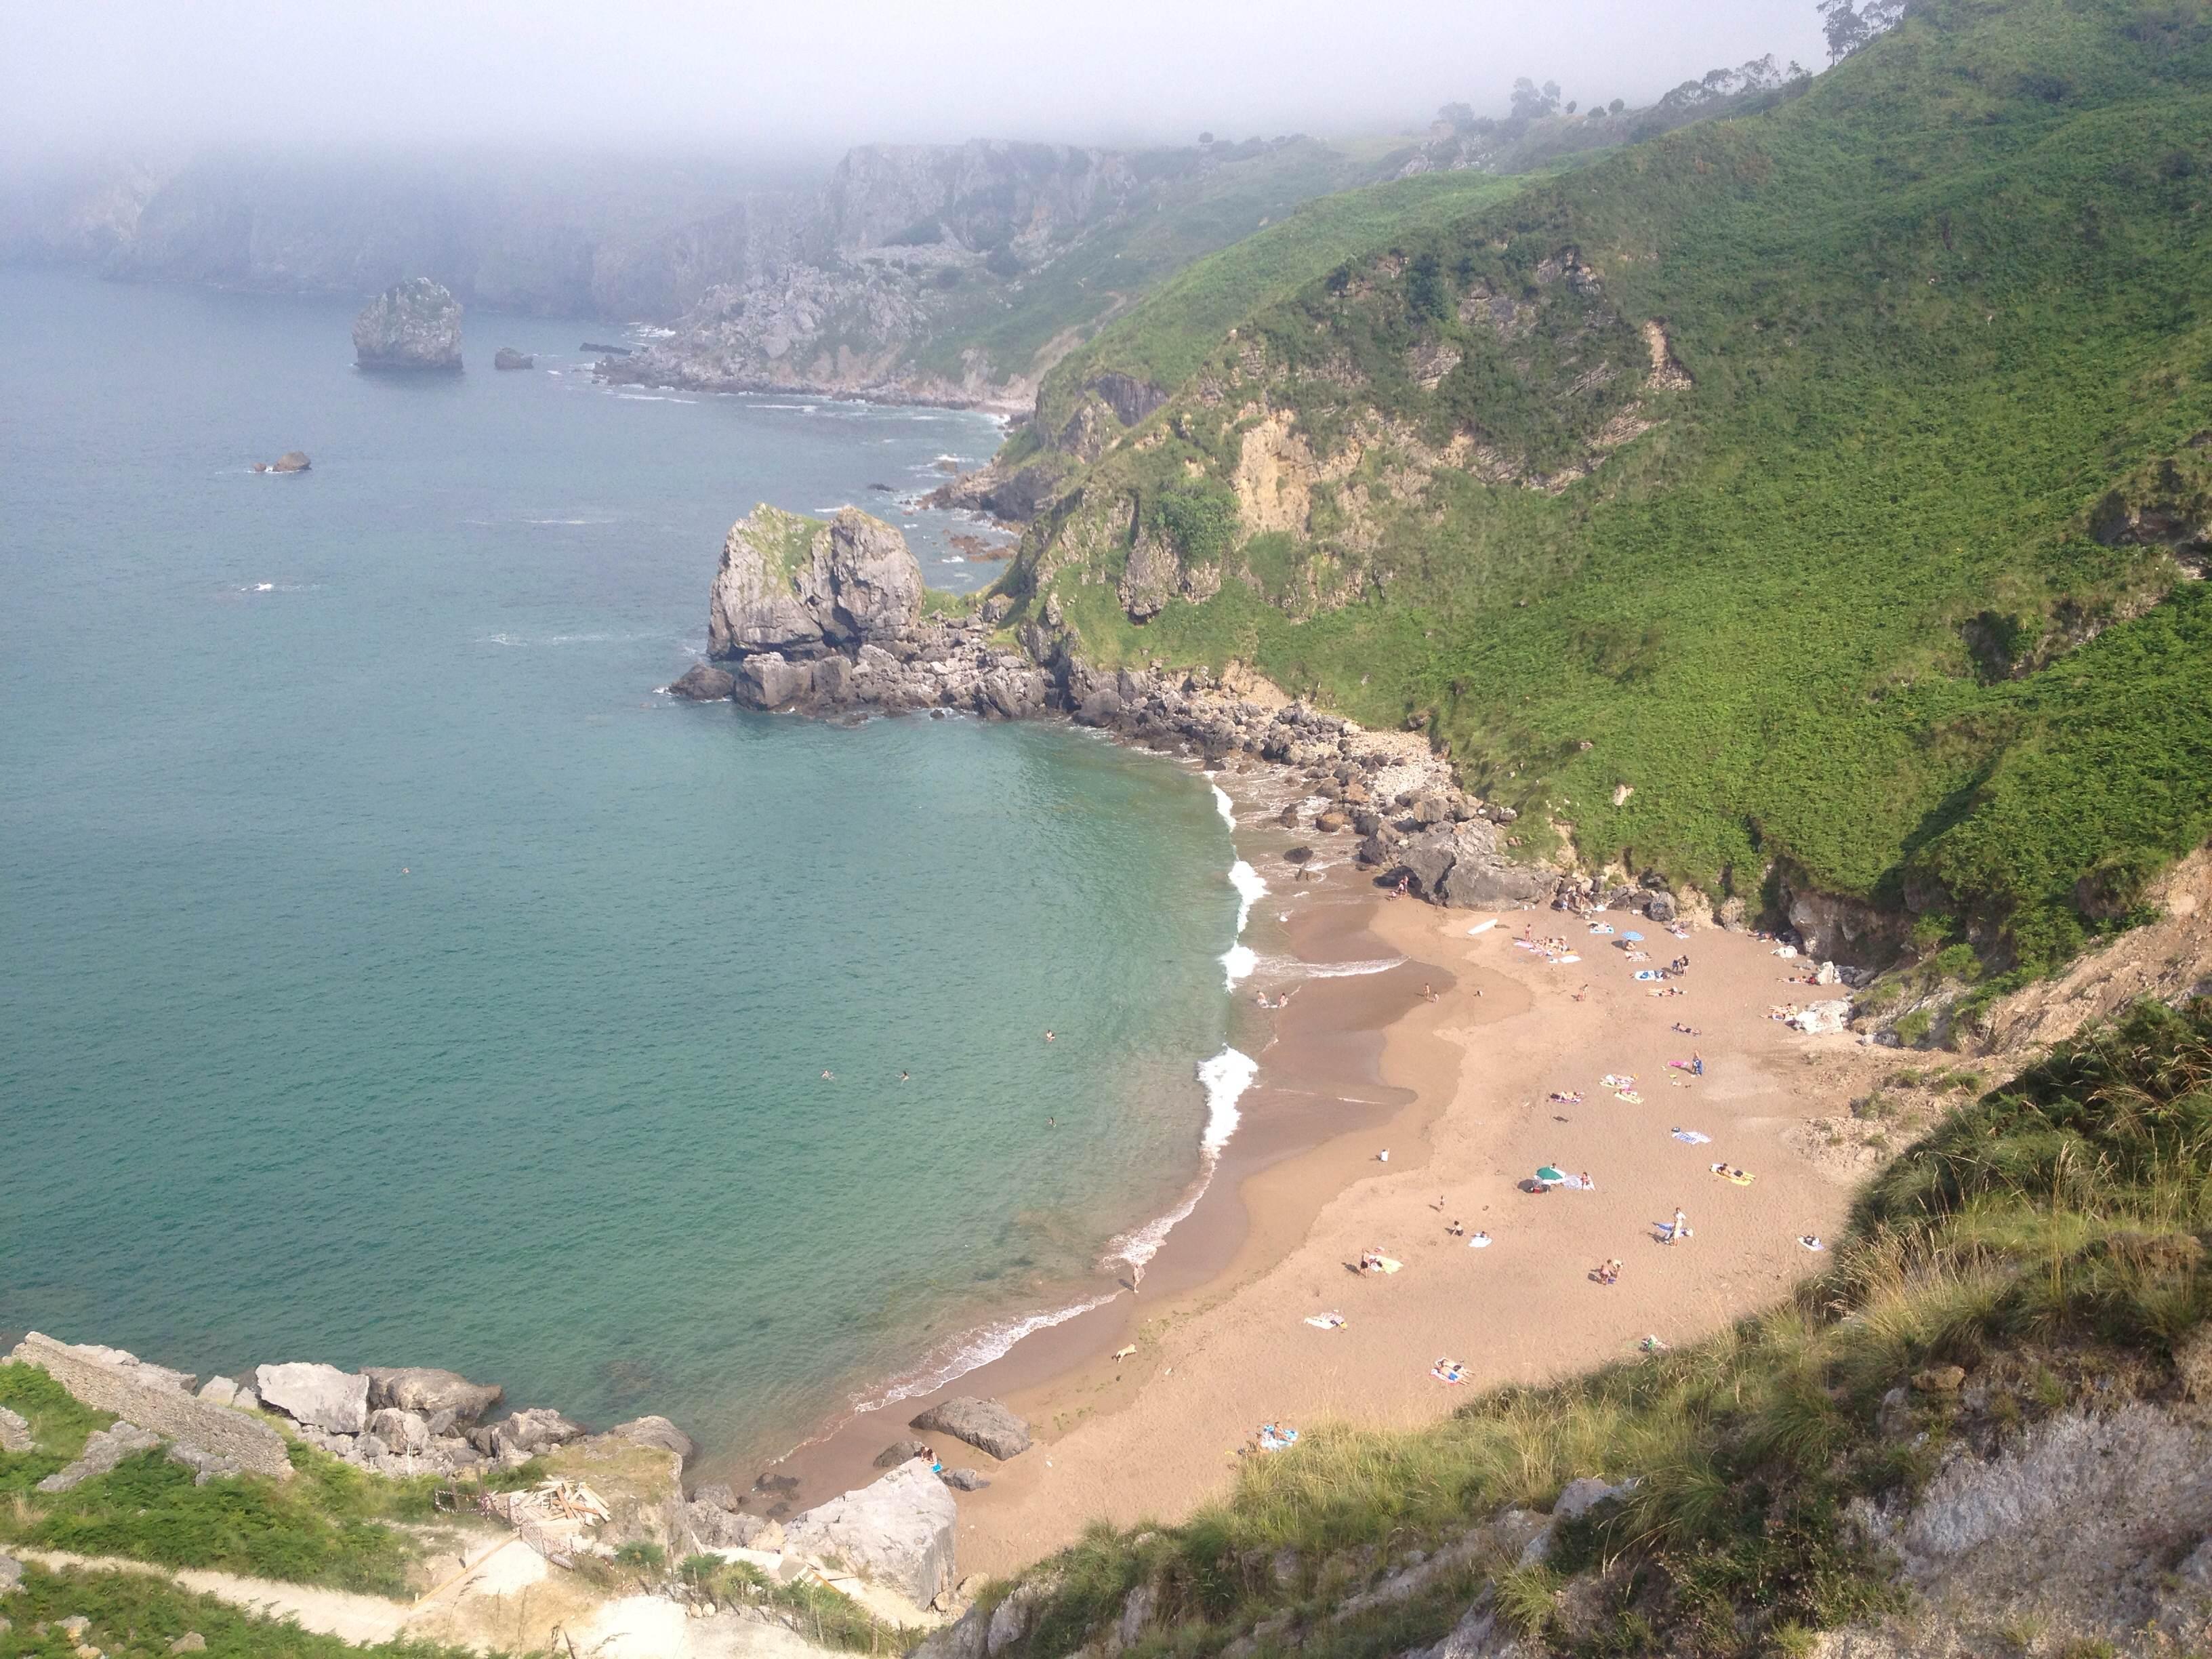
<point>416,324</point>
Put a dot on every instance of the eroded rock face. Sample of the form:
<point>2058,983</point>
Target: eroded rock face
<point>984,1424</point>
<point>416,324</point>
<point>796,585</point>
<point>896,1532</point>
<point>1462,864</point>
<point>321,1396</point>
<point>703,683</point>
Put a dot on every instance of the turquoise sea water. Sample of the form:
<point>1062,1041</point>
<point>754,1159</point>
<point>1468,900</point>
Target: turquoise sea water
<point>391,976</point>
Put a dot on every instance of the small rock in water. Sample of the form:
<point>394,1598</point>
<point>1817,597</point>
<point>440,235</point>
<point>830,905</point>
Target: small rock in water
<point>508,357</point>
<point>291,460</point>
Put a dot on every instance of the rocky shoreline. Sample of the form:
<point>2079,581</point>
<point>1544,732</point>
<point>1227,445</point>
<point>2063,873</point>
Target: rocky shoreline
<point>896,1532</point>
<point>829,619</point>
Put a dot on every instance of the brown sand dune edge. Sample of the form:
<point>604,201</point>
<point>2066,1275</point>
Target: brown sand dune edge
<point>1156,1436</point>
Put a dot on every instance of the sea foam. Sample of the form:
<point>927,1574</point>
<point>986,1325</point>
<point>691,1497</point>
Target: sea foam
<point>974,1350</point>
<point>1225,1078</point>
<point>1250,885</point>
<point>1224,806</point>
<point>1237,962</point>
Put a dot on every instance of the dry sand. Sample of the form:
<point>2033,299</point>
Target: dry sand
<point>1155,1436</point>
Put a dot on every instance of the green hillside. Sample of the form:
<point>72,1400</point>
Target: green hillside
<point>2045,1241</point>
<point>1871,577</point>
<point>1165,340</point>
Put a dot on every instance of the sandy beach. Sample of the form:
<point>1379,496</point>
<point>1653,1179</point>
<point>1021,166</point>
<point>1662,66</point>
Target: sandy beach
<point>1459,1090</point>
<point>1157,1436</point>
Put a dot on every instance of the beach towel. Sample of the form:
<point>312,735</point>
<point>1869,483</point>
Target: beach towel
<point>1327,1322</point>
<point>1616,1080</point>
<point>1649,973</point>
<point>1639,956</point>
<point>1632,934</point>
<point>1691,1137</point>
<point>1524,944</point>
<point>1569,957</point>
<point>1479,1241</point>
<point>1390,1266</point>
<point>1628,1095</point>
<point>1454,1374</point>
<point>1483,926</point>
<point>1604,927</point>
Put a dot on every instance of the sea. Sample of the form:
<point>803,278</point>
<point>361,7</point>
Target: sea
<point>391,973</point>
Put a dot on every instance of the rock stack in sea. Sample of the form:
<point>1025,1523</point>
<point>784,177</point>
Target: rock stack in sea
<point>828,619</point>
<point>416,324</point>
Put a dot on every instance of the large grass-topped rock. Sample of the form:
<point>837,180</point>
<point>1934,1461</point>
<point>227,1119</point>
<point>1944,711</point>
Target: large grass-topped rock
<point>416,324</point>
<point>799,586</point>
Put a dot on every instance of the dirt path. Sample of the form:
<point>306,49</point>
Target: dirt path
<point>364,1618</point>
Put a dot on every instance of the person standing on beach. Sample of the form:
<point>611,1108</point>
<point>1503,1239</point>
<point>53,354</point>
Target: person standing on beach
<point>1136,1277</point>
<point>1681,1226</point>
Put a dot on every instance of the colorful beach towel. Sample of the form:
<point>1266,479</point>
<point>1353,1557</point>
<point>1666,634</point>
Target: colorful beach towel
<point>1616,1080</point>
<point>1628,1095</point>
<point>1649,973</point>
<point>1691,1137</point>
<point>1327,1322</point>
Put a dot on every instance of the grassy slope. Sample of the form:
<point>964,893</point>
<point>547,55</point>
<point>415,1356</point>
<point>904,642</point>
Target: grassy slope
<point>2047,1237</point>
<point>1165,340</point>
<point>1197,212</point>
<point>1934,308</point>
<point>330,1524</point>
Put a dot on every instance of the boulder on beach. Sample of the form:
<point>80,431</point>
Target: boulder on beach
<point>416,324</point>
<point>321,1396</point>
<point>898,1452</point>
<point>292,461</point>
<point>984,1423</point>
<point>704,683</point>
<point>427,1391</point>
<point>508,357</point>
<point>896,1532</point>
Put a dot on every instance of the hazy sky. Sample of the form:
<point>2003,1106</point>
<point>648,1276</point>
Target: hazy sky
<point>806,74</point>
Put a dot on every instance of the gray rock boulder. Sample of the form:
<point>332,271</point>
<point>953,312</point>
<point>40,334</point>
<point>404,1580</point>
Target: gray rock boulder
<point>703,683</point>
<point>717,1527</point>
<point>14,1433</point>
<point>206,1466</point>
<point>529,1432</point>
<point>1462,864</point>
<point>406,1432</point>
<point>898,1452</point>
<point>427,1391</point>
<point>795,584</point>
<point>984,1423</point>
<point>768,681</point>
<point>656,1431</point>
<point>507,357</point>
<point>103,1450</point>
<point>322,1396</point>
<point>11,1573</point>
<point>292,461</point>
<point>416,324</point>
<point>897,1532</point>
<point>964,1479</point>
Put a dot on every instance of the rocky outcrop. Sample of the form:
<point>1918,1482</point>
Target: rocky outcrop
<point>14,1433</point>
<point>319,1396</point>
<point>984,1424</point>
<point>704,683</point>
<point>157,1400</point>
<point>529,1432</point>
<point>292,461</point>
<point>897,1532</point>
<point>508,358</point>
<point>429,1391</point>
<point>790,585</point>
<point>416,324</point>
<point>103,1450</point>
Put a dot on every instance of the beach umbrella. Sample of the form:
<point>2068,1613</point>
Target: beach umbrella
<point>1632,935</point>
<point>1547,1173</point>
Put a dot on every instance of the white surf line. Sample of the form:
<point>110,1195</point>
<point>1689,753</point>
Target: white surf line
<point>1225,1078</point>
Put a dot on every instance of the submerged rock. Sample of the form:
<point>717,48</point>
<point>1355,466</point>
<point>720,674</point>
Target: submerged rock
<point>508,357</point>
<point>416,324</point>
<point>984,1424</point>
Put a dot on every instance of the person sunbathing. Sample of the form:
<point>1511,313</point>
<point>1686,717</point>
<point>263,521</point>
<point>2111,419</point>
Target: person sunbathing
<point>1456,1228</point>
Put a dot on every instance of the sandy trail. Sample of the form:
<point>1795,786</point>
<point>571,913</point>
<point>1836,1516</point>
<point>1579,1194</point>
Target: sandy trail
<point>1481,1062</point>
